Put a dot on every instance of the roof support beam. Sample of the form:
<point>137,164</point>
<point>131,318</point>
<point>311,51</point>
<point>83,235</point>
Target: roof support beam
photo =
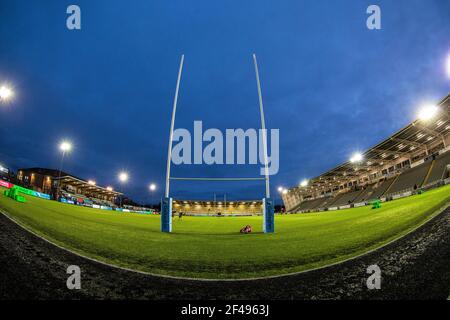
<point>392,153</point>
<point>428,130</point>
<point>406,141</point>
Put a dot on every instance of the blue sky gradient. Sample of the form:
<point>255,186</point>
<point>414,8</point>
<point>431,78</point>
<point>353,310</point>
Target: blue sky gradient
<point>330,85</point>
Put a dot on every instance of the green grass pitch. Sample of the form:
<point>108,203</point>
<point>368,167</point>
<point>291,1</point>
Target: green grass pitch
<point>212,247</point>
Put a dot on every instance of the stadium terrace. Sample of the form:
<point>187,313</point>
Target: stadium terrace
<point>218,208</point>
<point>416,157</point>
<point>67,188</point>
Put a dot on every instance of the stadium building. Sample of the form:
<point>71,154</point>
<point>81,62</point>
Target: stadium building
<point>416,157</point>
<point>72,189</point>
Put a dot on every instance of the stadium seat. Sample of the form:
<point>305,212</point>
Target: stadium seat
<point>380,189</point>
<point>346,198</point>
<point>409,178</point>
<point>439,166</point>
<point>364,195</point>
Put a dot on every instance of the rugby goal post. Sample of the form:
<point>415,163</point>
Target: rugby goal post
<point>268,208</point>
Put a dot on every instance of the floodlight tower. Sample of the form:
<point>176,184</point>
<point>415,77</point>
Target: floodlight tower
<point>280,192</point>
<point>427,112</point>
<point>356,157</point>
<point>65,146</point>
<point>152,188</point>
<point>123,178</point>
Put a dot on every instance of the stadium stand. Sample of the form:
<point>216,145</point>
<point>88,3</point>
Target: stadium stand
<point>384,170</point>
<point>382,187</point>
<point>70,189</point>
<point>201,207</point>
<point>389,169</point>
<point>346,198</point>
<point>302,206</point>
<point>47,181</point>
<point>312,204</point>
<point>364,195</point>
<point>429,171</point>
<point>324,203</point>
<point>411,178</point>
<point>439,167</point>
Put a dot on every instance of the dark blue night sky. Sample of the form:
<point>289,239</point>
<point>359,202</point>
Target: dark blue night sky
<point>330,85</point>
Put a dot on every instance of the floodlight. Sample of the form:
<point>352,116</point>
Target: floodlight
<point>6,93</point>
<point>280,189</point>
<point>304,183</point>
<point>123,177</point>
<point>285,191</point>
<point>65,146</point>
<point>152,187</point>
<point>109,188</point>
<point>427,112</point>
<point>92,182</point>
<point>356,157</point>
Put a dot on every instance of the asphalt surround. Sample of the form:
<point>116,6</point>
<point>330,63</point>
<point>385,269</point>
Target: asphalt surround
<point>413,267</point>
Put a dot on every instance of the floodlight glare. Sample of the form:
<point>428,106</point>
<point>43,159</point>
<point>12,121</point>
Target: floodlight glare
<point>356,157</point>
<point>123,177</point>
<point>109,188</point>
<point>6,93</point>
<point>152,187</point>
<point>427,112</point>
<point>65,146</point>
<point>304,183</point>
<point>285,191</point>
<point>280,189</point>
<point>92,182</point>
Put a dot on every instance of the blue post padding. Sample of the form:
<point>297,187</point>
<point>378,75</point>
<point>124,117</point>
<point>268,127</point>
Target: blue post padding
<point>269,215</point>
<point>166,215</point>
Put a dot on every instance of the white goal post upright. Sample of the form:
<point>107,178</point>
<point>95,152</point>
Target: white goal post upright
<point>166,205</point>
<point>172,124</point>
<point>268,205</point>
